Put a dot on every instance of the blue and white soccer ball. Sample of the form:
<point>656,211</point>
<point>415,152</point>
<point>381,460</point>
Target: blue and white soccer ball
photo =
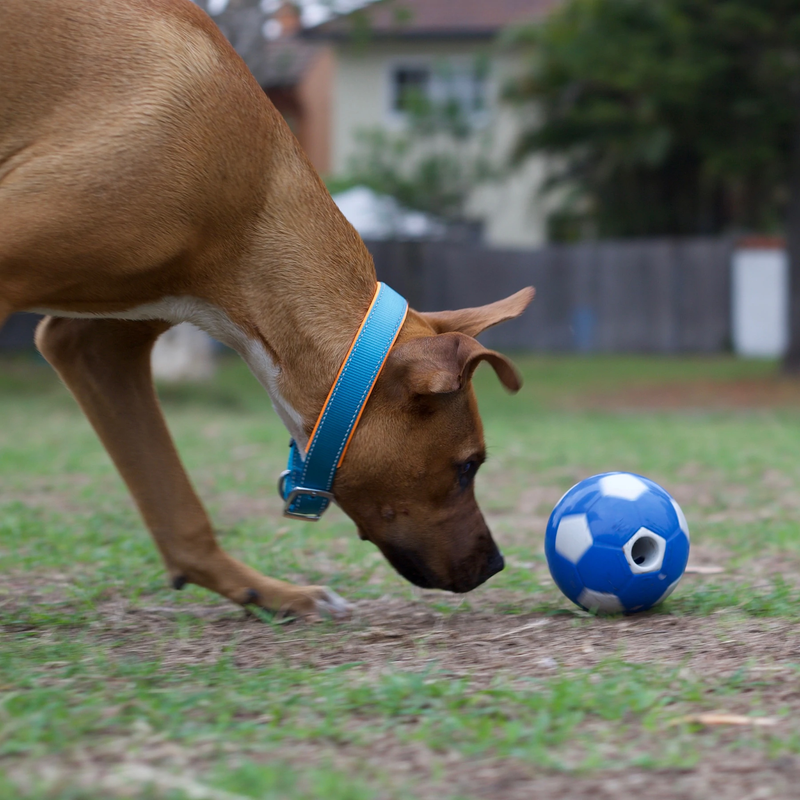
<point>617,542</point>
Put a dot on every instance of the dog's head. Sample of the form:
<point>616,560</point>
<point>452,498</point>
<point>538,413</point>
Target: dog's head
<point>407,481</point>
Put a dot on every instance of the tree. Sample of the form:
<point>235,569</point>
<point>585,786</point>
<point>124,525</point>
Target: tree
<point>671,117</point>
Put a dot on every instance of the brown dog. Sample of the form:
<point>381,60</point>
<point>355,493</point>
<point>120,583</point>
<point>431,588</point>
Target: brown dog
<point>145,179</point>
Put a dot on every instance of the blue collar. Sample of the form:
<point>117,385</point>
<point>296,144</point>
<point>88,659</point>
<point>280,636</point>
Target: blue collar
<point>306,485</point>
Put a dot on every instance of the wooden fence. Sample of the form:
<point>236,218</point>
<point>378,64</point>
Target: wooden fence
<point>17,333</point>
<point>658,296</point>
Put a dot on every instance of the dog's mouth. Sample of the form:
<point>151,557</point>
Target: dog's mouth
<point>411,567</point>
<point>408,564</point>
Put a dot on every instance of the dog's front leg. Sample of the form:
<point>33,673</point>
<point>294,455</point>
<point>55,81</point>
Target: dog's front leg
<point>106,365</point>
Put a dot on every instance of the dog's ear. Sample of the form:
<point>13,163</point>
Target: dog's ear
<point>472,321</point>
<point>445,363</point>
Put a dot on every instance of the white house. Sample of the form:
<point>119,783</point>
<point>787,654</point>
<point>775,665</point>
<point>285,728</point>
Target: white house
<point>445,49</point>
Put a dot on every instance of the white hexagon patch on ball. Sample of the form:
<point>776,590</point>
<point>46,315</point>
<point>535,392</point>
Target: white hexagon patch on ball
<point>681,518</point>
<point>573,537</point>
<point>600,601</point>
<point>622,485</point>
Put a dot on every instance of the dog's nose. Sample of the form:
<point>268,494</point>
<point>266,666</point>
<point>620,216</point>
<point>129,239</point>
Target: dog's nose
<point>495,565</point>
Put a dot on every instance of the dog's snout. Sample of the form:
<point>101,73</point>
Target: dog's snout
<point>479,571</point>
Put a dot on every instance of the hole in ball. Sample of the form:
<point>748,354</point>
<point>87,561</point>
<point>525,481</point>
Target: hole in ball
<point>644,551</point>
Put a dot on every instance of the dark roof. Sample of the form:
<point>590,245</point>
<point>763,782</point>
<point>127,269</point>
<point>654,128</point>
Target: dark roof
<point>274,63</point>
<point>439,19</point>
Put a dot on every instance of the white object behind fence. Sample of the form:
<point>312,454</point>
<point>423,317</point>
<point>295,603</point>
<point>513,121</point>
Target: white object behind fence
<point>760,311</point>
<point>183,353</point>
<point>379,216</point>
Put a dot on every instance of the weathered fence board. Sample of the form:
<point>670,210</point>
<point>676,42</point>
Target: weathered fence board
<point>655,296</point>
<point>17,333</point>
<point>658,296</point>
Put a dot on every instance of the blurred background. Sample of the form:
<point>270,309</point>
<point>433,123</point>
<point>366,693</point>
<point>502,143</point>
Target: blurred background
<point>639,163</point>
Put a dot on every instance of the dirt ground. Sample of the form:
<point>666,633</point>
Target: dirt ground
<point>410,635</point>
<point>770,393</point>
<point>478,645</point>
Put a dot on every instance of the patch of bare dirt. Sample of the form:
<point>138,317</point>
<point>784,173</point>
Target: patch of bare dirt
<point>52,493</point>
<point>44,587</point>
<point>232,507</point>
<point>766,393</point>
<point>480,643</point>
<point>721,776</point>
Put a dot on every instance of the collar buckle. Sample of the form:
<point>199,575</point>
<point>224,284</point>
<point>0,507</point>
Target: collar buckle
<point>302,491</point>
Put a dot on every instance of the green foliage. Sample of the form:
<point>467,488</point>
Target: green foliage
<point>669,117</point>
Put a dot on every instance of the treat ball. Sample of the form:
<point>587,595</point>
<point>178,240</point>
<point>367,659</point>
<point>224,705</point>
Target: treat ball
<point>616,543</point>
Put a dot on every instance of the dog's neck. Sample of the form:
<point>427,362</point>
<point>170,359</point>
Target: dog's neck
<point>306,280</point>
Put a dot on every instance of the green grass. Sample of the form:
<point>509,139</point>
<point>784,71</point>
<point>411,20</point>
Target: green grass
<point>101,664</point>
<point>76,689</point>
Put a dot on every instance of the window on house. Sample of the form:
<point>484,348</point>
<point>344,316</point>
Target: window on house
<point>442,85</point>
<point>408,83</point>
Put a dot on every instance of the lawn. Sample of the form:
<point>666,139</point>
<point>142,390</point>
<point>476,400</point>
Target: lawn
<point>113,685</point>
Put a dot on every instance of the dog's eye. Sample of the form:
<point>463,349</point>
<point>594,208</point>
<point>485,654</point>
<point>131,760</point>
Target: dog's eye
<point>466,472</point>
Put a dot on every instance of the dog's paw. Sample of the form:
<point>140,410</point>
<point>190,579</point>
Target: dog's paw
<point>297,602</point>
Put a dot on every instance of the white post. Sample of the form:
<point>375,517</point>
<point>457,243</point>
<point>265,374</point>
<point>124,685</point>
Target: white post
<point>184,353</point>
<point>760,301</point>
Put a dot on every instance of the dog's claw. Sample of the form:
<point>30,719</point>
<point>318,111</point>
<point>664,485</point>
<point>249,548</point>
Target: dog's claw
<point>330,604</point>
